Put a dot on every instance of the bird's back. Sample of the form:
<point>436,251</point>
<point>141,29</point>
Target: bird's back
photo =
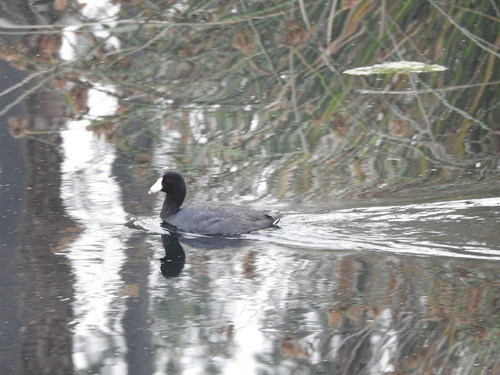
<point>217,218</point>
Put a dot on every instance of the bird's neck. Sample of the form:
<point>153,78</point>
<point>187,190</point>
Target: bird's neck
<point>171,205</point>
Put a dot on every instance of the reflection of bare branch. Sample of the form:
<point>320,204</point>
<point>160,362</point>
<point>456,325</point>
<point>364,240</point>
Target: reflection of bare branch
<point>24,81</point>
<point>329,26</point>
<point>125,25</point>
<point>426,91</point>
<point>154,39</point>
<point>260,59</point>
<point>292,87</point>
<point>383,15</point>
<point>481,43</point>
<point>26,94</point>
<point>439,156</point>
<point>262,48</point>
<point>493,18</point>
<point>304,14</point>
<point>461,111</point>
<point>423,112</point>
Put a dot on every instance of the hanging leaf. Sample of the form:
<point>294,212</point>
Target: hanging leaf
<point>401,67</point>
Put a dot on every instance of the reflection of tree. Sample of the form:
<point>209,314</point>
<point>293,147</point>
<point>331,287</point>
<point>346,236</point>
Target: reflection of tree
<point>283,64</point>
<point>189,314</point>
<point>43,276</point>
<point>46,310</point>
<point>136,319</point>
<point>386,316</point>
<point>331,314</point>
<point>12,172</point>
<point>46,291</point>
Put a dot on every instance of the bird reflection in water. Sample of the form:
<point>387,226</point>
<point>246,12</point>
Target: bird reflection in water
<point>174,260</point>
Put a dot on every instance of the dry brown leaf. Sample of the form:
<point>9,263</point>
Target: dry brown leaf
<point>60,5</point>
<point>131,290</point>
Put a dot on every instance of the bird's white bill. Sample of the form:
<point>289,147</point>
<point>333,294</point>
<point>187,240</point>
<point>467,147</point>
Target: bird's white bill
<point>156,187</point>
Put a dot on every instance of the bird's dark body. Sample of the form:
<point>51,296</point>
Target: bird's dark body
<point>209,218</point>
<point>219,218</point>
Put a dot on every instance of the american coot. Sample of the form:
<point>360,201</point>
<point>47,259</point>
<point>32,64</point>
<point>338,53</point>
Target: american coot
<point>207,217</point>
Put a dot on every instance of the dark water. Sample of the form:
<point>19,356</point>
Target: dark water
<point>387,257</point>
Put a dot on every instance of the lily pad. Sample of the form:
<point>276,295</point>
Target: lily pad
<point>401,67</point>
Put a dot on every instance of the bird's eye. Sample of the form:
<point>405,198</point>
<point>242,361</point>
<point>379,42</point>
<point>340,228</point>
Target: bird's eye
<point>167,180</point>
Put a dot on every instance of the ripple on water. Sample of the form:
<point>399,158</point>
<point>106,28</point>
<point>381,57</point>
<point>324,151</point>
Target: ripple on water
<point>462,228</point>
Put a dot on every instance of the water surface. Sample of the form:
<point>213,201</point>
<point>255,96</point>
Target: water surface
<point>387,257</point>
